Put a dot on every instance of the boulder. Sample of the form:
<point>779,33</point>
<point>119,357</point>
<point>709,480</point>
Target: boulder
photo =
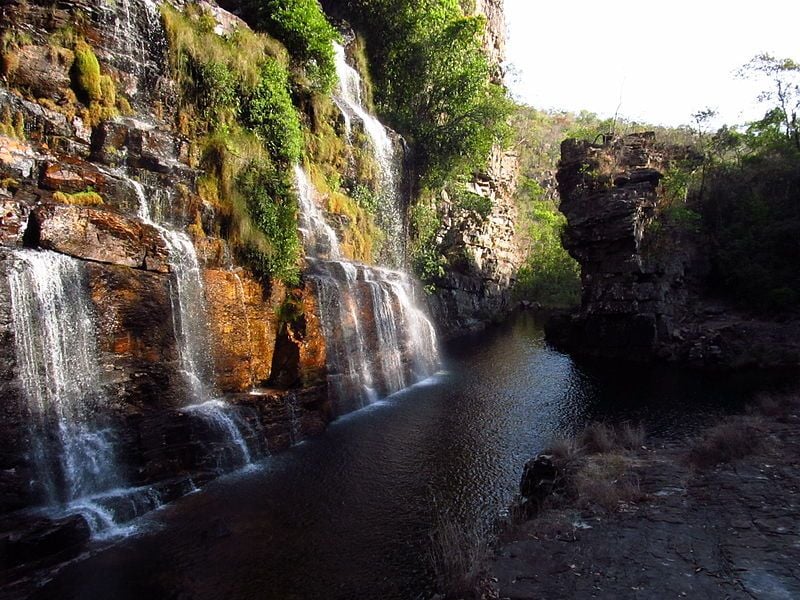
<point>540,478</point>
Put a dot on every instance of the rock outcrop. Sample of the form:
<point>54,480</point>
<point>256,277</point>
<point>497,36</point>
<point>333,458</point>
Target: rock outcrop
<point>483,252</point>
<point>644,292</point>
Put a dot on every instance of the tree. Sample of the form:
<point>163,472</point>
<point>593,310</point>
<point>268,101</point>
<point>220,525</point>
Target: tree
<point>784,75</point>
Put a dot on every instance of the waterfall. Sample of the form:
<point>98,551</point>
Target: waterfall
<point>386,151</point>
<point>54,338</point>
<point>189,321</point>
<point>188,302</point>
<point>378,339</point>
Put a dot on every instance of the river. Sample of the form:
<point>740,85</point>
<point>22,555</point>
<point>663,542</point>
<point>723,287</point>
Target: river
<point>349,514</point>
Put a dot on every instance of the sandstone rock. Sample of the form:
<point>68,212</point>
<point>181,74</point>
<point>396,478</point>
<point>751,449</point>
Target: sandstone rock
<point>299,359</point>
<point>72,175</point>
<point>13,220</point>
<point>644,289</point>
<point>100,236</point>
<point>17,157</point>
<point>242,328</point>
<point>484,254</point>
<point>42,70</point>
<point>136,337</point>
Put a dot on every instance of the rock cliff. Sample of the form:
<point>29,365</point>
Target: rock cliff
<point>73,176</point>
<point>644,277</point>
<point>484,253</point>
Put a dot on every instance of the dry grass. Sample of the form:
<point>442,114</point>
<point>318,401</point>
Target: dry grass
<point>595,467</point>
<point>731,440</point>
<point>605,482</point>
<point>458,555</point>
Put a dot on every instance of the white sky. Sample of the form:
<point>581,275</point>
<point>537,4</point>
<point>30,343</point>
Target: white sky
<point>664,59</point>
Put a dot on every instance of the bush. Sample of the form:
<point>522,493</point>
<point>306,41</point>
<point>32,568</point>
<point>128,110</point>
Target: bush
<point>268,110</point>
<point>458,554</point>
<point>302,27</point>
<point>433,83</point>
<point>735,438</point>
<point>273,209</point>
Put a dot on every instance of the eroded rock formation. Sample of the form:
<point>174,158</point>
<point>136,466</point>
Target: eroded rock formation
<point>644,279</point>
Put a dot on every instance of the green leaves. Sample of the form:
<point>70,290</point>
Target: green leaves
<point>270,113</point>
<point>434,83</point>
<point>302,27</point>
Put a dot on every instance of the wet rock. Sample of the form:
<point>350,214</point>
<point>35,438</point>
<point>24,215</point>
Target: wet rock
<point>72,176</point>
<point>539,478</point>
<point>242,328</point>
<point>13,220</point>
<point>17,157</point>
<point>98,235</point>
<point>40,538</point>
<point>136,339</point>
<point>299,359</point>
<point>42,70</point>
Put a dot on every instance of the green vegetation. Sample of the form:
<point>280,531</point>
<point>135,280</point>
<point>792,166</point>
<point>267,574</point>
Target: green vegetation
<point>426,258</point>
<point>549,275</point>
<point>745,196</point>
<point>302,27</point>
<point>86,73</point>
<point>434,83</point>
<point>237,109</point>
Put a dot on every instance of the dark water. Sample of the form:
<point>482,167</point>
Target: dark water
<point>349,514</point>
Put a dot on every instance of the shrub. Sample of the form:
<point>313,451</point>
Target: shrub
<point>270,113</point>
<point>458,554</point>
<point>733,439</point>
<point>273,209</point>
<point>302,27</point>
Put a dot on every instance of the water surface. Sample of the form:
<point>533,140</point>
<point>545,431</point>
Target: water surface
<point>349,514</point>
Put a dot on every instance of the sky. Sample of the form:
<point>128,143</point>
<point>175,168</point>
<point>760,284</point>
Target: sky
<point>659,62</point>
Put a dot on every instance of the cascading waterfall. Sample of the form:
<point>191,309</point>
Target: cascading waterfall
<point>387,152</point>
<point>189,320</point>
<point>378,340</point>
<point>57,359</point>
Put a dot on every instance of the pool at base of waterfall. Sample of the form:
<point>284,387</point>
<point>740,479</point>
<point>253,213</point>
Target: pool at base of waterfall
<point>350,514</point>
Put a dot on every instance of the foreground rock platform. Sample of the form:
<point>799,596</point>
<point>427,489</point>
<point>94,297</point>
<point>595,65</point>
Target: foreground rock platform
<point>728,532</point>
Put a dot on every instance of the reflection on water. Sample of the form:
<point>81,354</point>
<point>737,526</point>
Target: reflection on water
<point>348,514</point>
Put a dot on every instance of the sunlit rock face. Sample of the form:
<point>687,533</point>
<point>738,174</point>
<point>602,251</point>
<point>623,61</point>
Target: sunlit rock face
<point>644,282</point>
<point>157,415</point>
<point>484,253</point>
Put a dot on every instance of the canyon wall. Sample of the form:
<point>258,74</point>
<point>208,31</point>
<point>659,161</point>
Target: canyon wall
<point>483,253</point>
<point>644,275</point>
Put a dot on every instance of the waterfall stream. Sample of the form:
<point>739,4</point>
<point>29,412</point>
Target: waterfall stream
<point>377,337</point>
<point>387,152</point>
<point>189,320</point>
<point>54,340</point>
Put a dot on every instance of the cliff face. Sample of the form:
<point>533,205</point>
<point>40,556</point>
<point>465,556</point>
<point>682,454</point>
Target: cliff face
<point>73,182</point>
<point>484,254</point>
<point>644,293</point>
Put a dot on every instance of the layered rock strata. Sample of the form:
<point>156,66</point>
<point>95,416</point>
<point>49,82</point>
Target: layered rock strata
<point>644,293</point>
